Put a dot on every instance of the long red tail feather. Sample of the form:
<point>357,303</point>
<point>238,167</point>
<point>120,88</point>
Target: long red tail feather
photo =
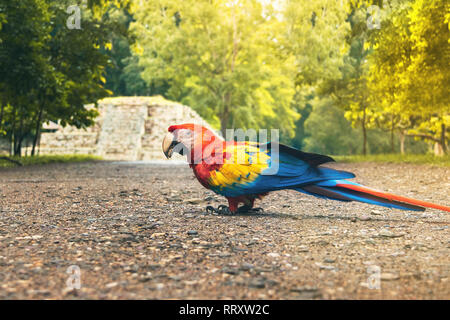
<point>394,197</point>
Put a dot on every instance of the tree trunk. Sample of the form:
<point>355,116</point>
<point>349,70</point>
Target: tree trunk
<point>1,120</point>
<point>18,140</point>
<point>18,151</point>
<point>39,145</point>
<point>38,130</point>
<point>364,129</point>
<point>224,121</point>
<point>13,135</point>
<point>392,134</point>
<point>10,145</point>
<point>402,143</point>
<point>1,116</point>
<point>443,142</point>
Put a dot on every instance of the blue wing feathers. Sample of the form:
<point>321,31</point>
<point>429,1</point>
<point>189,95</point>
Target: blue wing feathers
<point>300,171</point>
<point>292,173</point>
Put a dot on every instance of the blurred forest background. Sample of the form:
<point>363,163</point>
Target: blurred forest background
<point>335,76</point>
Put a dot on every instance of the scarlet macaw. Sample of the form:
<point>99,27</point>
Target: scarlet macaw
<point>245,171</point>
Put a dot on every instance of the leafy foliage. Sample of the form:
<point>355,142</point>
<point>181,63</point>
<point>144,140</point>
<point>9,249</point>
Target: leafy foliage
<point>341,77</point>
<point>410,70</point>
<point>48,72</point>
<point>231,71</point>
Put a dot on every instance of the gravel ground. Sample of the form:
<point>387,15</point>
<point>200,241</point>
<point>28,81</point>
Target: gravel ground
<point>140,231</point>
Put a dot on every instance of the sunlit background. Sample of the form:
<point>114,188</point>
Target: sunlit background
<point>341,77</point>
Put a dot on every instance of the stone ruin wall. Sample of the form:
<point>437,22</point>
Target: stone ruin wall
<point>128,128</point>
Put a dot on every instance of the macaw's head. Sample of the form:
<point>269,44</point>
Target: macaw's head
<point>186,138</point>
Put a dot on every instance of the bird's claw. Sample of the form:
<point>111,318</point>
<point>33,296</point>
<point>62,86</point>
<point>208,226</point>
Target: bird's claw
<point>211,210</point>
<point>224,210</point>
<point>247,209</point>
<point>221,209</point>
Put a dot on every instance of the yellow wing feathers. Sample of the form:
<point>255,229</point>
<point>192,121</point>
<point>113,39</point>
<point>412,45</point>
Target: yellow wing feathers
<point>243,164</point>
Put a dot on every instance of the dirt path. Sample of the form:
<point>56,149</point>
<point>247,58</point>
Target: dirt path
<point>139,231</point>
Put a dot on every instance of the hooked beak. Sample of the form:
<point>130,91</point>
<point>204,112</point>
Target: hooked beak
<point>168,144</point>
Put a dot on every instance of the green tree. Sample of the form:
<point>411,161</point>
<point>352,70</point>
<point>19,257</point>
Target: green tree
<point>351,90</point>
<point>410,70</point>
<point>428,75</point>
<point>48,72</point>
<point>314,32</point>
<point>222,58</point>
<point>123,74</point>
<point>23,67</point>
<point>328,131</point>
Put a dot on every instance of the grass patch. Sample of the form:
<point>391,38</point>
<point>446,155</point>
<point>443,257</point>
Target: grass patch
<point>398,158</point>
<point>39,160</point>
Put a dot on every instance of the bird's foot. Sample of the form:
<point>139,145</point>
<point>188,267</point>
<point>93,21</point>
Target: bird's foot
<point>257,210</point>
<point>247,209</point>
<point>221,209</point>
